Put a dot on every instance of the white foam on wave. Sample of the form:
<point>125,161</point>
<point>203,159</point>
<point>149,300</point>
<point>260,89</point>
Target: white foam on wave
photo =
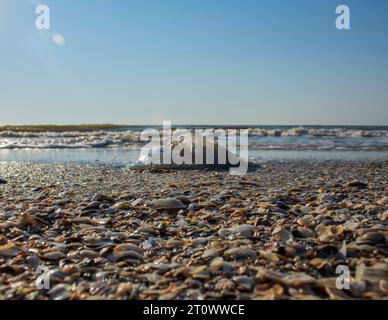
<point>297,138</point>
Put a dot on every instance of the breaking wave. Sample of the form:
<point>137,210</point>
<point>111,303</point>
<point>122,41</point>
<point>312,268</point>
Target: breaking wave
<point>260,138</point>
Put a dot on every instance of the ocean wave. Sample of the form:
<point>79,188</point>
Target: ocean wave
<point>291,138</point>
<point>317,132</point>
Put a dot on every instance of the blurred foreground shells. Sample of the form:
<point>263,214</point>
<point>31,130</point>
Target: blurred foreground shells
<point>284,232</point>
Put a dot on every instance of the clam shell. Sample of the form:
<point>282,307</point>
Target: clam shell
<point>9,250</point>
<point>240,253</point>
<point>166,204</point>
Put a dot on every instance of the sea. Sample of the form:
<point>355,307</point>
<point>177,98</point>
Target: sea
<point>120,145</point>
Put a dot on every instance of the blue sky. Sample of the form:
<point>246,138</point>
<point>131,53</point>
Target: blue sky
<point>194,62</point>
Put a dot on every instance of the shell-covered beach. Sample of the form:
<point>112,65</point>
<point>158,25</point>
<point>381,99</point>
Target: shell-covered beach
<point>277,233</point>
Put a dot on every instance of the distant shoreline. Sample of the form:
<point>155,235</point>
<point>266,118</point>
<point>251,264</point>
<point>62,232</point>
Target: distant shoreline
<point>108,126</point>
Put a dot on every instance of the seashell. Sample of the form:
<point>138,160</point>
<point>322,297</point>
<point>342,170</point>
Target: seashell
<point>224,284</point>
<point>357,184</point>
<point>206,204</point>
<point>274,292</point>
<point>336,294</point>
<point>326,251</point>
<point>147,230</point>
<point>94,242</point>
<point>174,243</point>
<point>197,269</point>
<point>216,263</point>
<point>137,202</point>
<point>70,268</point>
<point>305,232</point>
<point>234,200</point>
<point>373,273</point>
<point>329,233</point>
<point>383,286</point>
<point>186,201</point>
<point>96,197</point>
<point>383,201</point>
<point>244,283</point>
<point>121,255</point>
<point>182,223</point>
<point>9,250</point>
<point>33,261</point>
<point>210,253</point>
<point>127,247</point>
<point>269,256</point>
<point>54,256</point>
<point>374,236</point>
<point>357,288</point>
<point>162,266</point>
<point>88,254</point>
<point>27,219</point>
<point>243,230</point>
<point>292,280</point>
<point>125,289</point>
<point>282,234</point>
<point>371,208</point>
<point>282,205</point>
<point>166,204</point>
<point>122,205</point>
<point>241,252</point>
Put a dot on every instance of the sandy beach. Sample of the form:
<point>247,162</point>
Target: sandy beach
<point>277,233</point>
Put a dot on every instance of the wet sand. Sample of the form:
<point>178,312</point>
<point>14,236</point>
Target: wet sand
<point>277,233</point>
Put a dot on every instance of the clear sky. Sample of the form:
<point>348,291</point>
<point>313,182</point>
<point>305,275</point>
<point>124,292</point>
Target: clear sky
<point>194,62</point>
